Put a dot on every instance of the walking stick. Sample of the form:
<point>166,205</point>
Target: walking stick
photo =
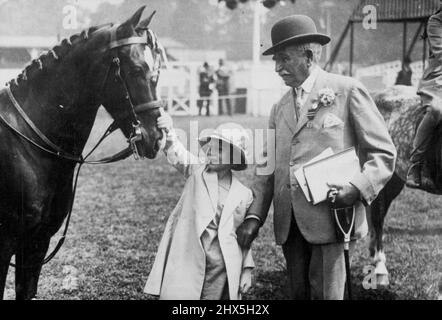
<point>344,219</point>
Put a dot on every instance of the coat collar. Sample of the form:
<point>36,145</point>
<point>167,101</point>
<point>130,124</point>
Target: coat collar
<point>233,198</point>
<point>308,84</point>
<point>312,85</point>
<point>288,110</point>
<point>319,84</point>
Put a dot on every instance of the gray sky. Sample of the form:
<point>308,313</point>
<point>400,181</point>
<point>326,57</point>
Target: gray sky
<point>93,4</point>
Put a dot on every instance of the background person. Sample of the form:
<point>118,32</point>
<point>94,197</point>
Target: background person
<point>404,76</point>
<point>223,75</point>
<point>207,84</point>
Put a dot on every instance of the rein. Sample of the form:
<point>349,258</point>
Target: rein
<point>53,149</point>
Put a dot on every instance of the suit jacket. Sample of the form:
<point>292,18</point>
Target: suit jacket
<point>431,82</point>
<point>179,267</point>
<point>352,120</point>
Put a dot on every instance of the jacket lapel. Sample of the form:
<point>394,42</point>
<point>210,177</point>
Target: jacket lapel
<point>211,182</point>
<point>288,110</point>
<point>319,83</point>
<point>232,200</point>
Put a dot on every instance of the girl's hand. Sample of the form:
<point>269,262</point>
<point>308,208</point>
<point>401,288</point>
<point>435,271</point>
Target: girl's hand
<point>165,121</point>
<point>246,281</point>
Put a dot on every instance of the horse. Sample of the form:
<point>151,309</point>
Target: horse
<point>402,110</point>
<point>47,114</point>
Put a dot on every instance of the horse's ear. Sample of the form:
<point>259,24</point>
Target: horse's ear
<point>135,19</point>
<point>145,23</point>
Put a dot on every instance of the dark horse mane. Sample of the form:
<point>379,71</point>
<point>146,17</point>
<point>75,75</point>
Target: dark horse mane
<point>50,58</point>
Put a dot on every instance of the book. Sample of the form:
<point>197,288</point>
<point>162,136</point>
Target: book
<point>338,168</point>
<point>299,174</point>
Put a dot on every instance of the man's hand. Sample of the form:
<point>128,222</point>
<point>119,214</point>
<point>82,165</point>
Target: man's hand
<point>347,196</point>
<point>247,232</point>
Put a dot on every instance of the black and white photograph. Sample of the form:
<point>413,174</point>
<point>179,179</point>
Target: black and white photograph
<point>237,151</point>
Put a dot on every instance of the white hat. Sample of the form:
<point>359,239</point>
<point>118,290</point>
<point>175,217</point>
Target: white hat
<point>231,133</point>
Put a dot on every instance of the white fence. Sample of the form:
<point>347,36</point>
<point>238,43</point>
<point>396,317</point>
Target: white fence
<point>384,75</point>
<point>260,87</point>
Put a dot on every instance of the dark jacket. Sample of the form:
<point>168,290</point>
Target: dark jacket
<point>431,83</point>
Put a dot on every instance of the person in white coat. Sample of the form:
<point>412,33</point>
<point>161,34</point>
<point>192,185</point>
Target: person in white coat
<point>198,256</point>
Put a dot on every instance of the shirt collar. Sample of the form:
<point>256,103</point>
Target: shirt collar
<point>308,83</point>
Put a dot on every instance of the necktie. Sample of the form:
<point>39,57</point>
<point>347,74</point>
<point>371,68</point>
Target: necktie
<point>298,97</point>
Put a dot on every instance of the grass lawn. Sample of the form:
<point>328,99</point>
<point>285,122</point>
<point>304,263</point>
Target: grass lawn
<point>121,210</point>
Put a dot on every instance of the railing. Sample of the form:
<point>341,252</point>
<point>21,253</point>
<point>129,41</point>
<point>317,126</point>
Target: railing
<point>388,72</point>
<point>255,90</point>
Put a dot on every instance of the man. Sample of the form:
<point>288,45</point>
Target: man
<point>223,87</point>
<point>404,76</point>
<point>207,81</point>
<point>315,261</point>
<point>430,91</point>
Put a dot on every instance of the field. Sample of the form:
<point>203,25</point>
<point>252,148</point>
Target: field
<point>121,209</point>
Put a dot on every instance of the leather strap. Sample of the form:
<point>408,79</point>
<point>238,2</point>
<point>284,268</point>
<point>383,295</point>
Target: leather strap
<point>128,41</point>
<point>32,125</point>
<point>114,43</point>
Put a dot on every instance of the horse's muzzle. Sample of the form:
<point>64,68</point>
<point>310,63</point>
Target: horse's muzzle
<point>143,146</point>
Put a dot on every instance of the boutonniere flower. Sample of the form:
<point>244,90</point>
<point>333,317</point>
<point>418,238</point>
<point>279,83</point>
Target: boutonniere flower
<point>326,98</point>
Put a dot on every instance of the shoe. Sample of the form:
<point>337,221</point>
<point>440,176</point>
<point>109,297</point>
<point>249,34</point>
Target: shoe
<point>414,176</point>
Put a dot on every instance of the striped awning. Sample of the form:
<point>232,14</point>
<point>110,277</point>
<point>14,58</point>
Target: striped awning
<point>397,10</point>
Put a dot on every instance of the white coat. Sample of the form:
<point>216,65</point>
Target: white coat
<point>179,268</point>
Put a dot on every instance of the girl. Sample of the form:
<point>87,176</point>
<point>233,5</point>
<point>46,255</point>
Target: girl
<point>198,256</point>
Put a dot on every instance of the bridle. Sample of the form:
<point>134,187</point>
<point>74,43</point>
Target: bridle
<point>134,140</point>
<point>136,136</point>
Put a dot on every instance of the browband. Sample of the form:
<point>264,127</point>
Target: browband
<point>114,43</point>
<point>127,41</point>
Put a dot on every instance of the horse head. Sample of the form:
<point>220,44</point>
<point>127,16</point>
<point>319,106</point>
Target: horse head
<point>129,90</point>
<point>116,66</point>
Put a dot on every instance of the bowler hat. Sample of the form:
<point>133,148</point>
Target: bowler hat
<point>295,29</point>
